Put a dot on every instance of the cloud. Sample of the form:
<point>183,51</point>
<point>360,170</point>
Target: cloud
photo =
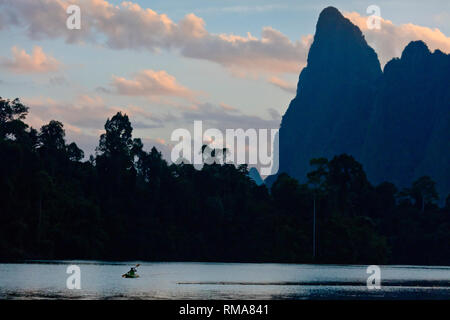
<point>149,83</point>
<point>282,84</point>
<point>390,40</point>
<point>272,53</point>
<point>217,117</point>
<point>84,120</point>
<point>58,81</point>
<point>274,114</point>
<point>87,112</point>
<point>221,118</point>
<point>129,26</point>
<point>227,107</point>
<point>37,62</point>
<point>103,90</point>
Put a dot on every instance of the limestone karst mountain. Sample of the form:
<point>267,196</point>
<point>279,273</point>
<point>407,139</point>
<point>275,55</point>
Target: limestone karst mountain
<point>396,122</point>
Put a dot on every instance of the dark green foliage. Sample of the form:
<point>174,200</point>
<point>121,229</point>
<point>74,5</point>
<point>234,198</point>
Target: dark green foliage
<point>129,204</point>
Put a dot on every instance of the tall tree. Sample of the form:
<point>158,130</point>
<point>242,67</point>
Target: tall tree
<point>11,115</point>
<point>74,153</point>
<point>423,191</point>
<point>117,140</point>
<point>52,136</point>
<point>347,183</point>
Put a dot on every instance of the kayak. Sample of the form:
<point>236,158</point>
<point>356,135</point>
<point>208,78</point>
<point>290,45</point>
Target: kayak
<point>132,273</point>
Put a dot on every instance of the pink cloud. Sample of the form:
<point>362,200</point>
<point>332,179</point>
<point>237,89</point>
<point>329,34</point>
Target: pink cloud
<point>129,26</point>
<point>36,62</point>
<point>227,107</point>
<point>149,83</point>
<point>86,111</point>
<point>390,40</point>
<point>282,84</point>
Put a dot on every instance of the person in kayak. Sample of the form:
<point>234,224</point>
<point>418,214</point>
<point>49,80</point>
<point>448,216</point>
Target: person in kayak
<point>132,271</point>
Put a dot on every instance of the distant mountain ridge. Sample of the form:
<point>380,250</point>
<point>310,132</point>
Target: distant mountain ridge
<point>253,174</point>
<point>396,122</point>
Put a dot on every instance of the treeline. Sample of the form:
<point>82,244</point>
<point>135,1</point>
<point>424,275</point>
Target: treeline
<point>129,204</point>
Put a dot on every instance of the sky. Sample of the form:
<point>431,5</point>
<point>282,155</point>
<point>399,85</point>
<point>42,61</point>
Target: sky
<point>165,63</point>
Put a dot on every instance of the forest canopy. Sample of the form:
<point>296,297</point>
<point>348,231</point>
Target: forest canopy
<point>125,203</point>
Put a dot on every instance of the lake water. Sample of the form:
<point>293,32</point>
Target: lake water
<point>102,280</point>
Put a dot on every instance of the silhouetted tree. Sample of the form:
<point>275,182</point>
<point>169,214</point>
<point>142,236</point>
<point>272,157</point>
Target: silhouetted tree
<point>11,115</point>
<point>12,110</point>
<point>117,140</point>
<point>126,203</point>
<point>423,191</point>
<point>74,153</point>
<point>52,136</point>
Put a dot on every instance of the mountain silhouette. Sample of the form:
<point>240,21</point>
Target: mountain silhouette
<point>253,174</point>
<point>409,131</point>
<point>396,121</point>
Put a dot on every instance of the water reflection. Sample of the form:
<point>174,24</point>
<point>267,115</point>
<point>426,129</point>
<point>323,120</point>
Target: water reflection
<point>102,280</point>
